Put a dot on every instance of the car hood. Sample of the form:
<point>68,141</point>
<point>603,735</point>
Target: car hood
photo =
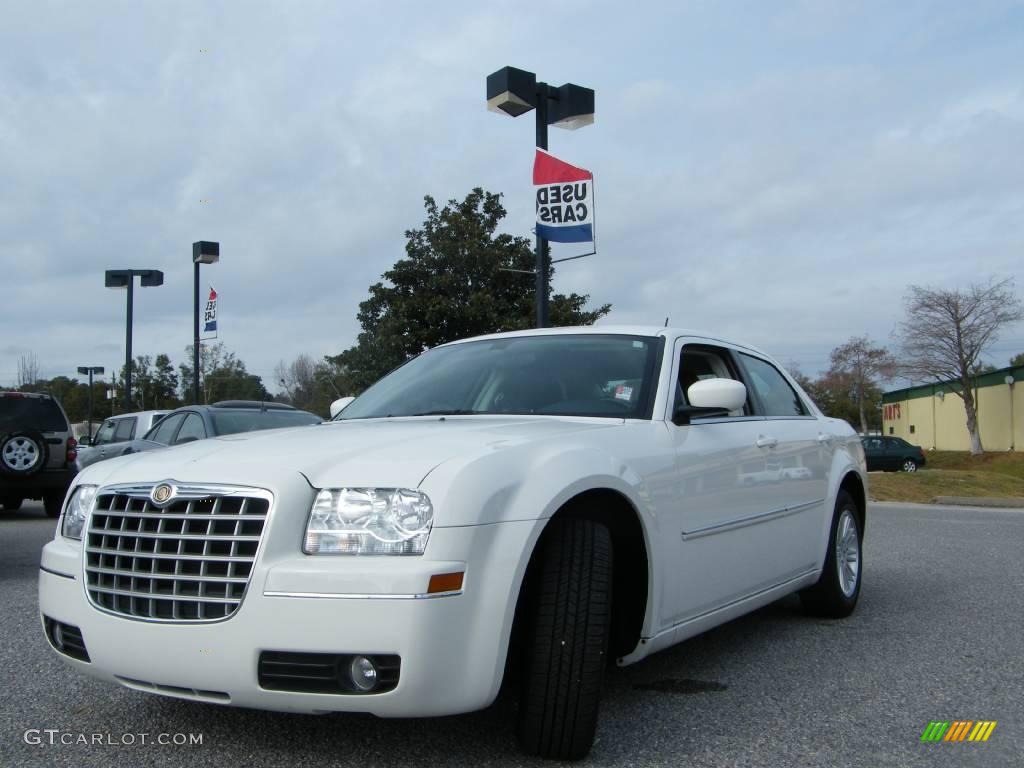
<point>377,452</point>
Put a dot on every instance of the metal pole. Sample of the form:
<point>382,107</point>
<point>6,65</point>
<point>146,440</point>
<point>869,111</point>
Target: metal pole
<point>195,339</point>
<point>542,244</point>
<point>128,350</point>
<point>90,404</point>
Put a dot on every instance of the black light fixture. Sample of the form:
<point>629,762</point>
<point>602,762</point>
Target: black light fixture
<point>125,278</point>
<point>203,252</point>
<point>515,92</point>
<point>90,369</point>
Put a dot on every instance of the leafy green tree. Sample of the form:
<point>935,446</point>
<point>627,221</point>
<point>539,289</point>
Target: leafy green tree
<point>222,376</point>
<point>165,383</point>
<point>455,281</point>
<point>1017,360</point>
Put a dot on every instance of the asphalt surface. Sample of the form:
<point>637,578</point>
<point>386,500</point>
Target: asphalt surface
<point>938,635</point>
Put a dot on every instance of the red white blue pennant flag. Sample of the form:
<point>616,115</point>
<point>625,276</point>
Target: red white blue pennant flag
<point>565,200</point>
<point>210,315</point>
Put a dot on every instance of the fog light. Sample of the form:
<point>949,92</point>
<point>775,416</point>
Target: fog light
<point>58,635</point>
<point>364,674</point>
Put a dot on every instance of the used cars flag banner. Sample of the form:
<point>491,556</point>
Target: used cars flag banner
<point>210,315</point>
<point>565,200</point>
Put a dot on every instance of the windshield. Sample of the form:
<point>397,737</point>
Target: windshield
<point>229,422</point>
<point>570,375</point>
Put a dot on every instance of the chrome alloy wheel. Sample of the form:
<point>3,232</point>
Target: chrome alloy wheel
<point>847,552</point>
<point>20,453</point>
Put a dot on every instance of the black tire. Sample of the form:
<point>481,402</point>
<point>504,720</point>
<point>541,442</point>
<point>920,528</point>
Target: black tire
<point>828,598</point>
<point>52,504</point>
<point>11,503</point>
<point>23,452</point>
<point>566,643</point>
<point>909,465</point>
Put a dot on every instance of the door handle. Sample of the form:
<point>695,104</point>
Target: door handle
<point>766,442</point>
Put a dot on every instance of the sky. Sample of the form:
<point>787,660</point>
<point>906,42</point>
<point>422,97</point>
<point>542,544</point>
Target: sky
<point>776,173</point>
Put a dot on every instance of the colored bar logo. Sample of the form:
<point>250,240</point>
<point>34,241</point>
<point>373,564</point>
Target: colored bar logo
<point>958,730</point>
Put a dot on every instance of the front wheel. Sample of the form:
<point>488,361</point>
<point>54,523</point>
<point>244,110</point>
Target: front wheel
<point>567,641</point>
<point>909,465</point>
<point>835,595</point>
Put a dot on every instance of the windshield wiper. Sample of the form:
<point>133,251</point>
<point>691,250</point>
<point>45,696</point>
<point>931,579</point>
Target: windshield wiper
<point>444,412</point>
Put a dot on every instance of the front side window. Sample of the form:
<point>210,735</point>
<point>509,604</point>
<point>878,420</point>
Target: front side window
<point>777,397</point>
<point>164,431</point>
<point>564,375</point>
<point>191,429</point>
<point>700,362</point>
<point>105,434</point>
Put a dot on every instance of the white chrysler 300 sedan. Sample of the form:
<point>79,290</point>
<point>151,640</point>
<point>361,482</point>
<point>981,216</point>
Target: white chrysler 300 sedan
<point>527,505</point>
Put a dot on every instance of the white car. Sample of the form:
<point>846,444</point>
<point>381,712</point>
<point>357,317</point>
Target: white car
<point>555,499</point>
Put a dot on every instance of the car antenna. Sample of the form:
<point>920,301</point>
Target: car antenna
<point>666,322</point>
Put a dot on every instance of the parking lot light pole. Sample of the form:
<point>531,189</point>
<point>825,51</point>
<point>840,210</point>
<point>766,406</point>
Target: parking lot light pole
<point>515,92</point>
<point>203,252</point>
<point>90,369</point>
<point>125,278</point>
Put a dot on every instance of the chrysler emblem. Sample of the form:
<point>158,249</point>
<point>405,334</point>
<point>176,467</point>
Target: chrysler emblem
<point>162,494</point>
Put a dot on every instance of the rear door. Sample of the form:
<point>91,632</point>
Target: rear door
<point>874,453</point>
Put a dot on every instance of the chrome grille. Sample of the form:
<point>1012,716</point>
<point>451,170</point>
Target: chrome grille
<point>189,561</point>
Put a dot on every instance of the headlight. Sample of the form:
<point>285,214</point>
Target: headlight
<point>77,511</point>
<point>369,521</point>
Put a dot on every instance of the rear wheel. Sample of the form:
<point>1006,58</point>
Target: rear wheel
<point>52,503</point>
<point>11,503</point>
<point>566,643</point>
<point>835,595</point>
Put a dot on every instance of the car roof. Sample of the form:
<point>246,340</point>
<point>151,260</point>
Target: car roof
<point>612,330</point>
<point>43,395</point>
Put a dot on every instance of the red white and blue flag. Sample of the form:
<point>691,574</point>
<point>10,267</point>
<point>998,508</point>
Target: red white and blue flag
<point>565,200</point>
<point>210,315</point>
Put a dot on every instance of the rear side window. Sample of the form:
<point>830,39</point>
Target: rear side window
<point>40,413</point>
<point>777,397</point>
<point>124,430</point>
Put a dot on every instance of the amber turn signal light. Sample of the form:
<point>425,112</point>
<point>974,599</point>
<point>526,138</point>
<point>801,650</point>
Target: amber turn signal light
<point>445,582</point>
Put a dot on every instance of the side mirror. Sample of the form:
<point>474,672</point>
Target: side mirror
<point>339,405</point>
<point>711,397</point>
<point>85,440</point>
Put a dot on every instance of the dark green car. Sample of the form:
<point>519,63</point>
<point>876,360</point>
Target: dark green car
<point>892,454</point>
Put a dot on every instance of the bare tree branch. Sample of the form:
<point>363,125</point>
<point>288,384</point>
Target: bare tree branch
<point>945,333</point>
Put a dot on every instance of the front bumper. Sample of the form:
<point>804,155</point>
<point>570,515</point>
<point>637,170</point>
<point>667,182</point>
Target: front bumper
<point>452,647</point>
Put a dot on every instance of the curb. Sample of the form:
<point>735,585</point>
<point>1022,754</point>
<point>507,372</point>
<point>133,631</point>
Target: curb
<point>973,501</point>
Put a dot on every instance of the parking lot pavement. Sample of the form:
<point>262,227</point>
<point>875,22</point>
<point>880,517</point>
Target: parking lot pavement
<point>937,636</point>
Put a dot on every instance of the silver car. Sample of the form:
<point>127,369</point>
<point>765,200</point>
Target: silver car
<point>115,434</point>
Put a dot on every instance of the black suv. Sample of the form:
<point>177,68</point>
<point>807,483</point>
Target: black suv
<point>892,454</point>
<point>37,451</point>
